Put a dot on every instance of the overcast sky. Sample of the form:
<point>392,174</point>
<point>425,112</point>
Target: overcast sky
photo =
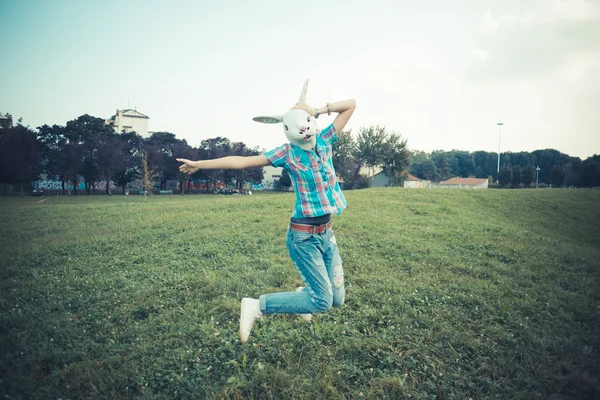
<point>442,73</point>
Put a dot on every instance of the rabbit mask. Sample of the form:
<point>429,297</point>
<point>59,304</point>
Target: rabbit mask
<point>299,127</point>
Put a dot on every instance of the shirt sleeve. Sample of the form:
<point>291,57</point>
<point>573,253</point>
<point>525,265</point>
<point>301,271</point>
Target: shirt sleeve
<point>278,155</point>
<point>329,134</point>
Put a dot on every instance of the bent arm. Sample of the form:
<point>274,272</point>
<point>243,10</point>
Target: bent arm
<point>344,108</point>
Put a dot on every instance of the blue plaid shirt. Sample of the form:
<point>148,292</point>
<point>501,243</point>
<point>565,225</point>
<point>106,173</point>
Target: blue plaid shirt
<point>315,184</point>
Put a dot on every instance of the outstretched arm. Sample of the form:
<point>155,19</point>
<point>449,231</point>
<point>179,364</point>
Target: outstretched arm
<point>231,162</point>
<point>344,108</point>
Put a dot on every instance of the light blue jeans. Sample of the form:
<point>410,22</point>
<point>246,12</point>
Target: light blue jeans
<point>318,260</point>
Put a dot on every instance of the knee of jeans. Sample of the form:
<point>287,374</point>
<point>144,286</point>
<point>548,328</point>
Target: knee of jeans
<point>323,303</point>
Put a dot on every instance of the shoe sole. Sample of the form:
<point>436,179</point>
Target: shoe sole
<point>243,308</point>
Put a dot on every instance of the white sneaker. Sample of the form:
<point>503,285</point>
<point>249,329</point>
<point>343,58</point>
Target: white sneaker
<point>305,317</point>
<point>249,313</point>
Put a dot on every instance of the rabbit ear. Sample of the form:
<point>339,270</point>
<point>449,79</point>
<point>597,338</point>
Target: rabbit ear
<point>303,94</point>
<point>269,119</point>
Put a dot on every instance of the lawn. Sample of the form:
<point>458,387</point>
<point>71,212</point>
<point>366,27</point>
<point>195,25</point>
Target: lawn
<point>451,294</point>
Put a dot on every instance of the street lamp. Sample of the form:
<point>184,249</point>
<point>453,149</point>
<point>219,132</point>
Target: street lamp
<point>537,174</point>
<point>499,134</point>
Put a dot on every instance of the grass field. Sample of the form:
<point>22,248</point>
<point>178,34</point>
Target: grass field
<point>451,294</point>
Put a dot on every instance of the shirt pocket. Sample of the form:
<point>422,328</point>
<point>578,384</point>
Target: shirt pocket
<point>301,163</point>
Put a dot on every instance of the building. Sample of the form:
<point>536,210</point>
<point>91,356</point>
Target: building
<point>271,174</point>
<point>381,179</point>
<point>413,182</point>
<point>465,183</point>
<point>129,121</point>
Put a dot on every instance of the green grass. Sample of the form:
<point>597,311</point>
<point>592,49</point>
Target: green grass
<point>451,294</point>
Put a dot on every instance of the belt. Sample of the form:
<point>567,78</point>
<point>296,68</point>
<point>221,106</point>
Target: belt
<point>314,229</point>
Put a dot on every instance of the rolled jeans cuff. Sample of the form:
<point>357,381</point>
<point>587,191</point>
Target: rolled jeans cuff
<point>262,300</point>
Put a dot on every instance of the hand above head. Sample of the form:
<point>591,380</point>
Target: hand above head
<point>303,106</point>
<point>188,167</point>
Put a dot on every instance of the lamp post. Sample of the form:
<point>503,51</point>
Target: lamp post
<point>499,134</point>
<point>537,174</point>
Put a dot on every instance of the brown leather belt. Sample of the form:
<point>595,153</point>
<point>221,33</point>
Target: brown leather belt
<point>314,229</point>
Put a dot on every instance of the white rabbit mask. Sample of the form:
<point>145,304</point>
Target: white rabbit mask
<point>299,127</point>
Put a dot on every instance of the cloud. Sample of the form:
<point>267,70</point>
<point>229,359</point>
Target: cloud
<point>574,10</point>
<point>488,24</point>
<point>478,56</point>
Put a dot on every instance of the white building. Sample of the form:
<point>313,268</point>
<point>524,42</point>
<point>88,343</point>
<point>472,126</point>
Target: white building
<point>129,121</point>
<point>465,183</point>
<point>270,176</point>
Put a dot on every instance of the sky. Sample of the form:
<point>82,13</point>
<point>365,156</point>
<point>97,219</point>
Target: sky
<point>441,73</point>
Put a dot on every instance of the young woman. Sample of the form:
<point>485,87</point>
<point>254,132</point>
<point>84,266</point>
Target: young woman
<point>310,240</point>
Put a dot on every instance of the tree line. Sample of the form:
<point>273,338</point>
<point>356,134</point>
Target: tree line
<point>89,149</point>
<point>517,169</point>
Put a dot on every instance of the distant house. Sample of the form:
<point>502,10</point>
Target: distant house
<point>413,182</point>
<point>129,121</point>
<point>465,183</point>
<point>382,179</point>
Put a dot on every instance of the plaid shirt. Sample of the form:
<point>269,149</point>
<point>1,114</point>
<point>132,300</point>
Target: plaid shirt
<point>312,174</point>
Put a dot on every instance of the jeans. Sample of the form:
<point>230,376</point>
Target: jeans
<point>318,260</point>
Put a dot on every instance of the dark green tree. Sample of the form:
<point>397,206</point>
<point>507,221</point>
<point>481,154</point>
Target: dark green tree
<point>557,175</point>
<point>395,158</point>
<point>590,173</point>
<point>20,156</point>
<point>516,172</point>
<point>370,145</point>
<point>283,183</point>
<point>506,175</point>
<point>343,152</point>
<point>527,175</point>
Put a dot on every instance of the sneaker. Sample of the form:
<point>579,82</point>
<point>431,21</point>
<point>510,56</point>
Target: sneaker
<point>305,317</point>
<point>249,313</point>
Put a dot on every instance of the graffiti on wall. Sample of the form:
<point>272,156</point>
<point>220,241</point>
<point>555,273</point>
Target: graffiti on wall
<point>51,184</point>
<point>202,185</point>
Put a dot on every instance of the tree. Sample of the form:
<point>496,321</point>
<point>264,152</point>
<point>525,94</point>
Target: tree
<point>19,156</point>
<point>527,175</point>
<point>148,175</point>
<point>395,158</point>
<point>161,156</point>
<point>182,150</point>
<point>516,172</point>
<point>506,175</point>
<point>132,145</point>
<point>466,164</point>
<point>343,155</point>
<point>442,168</point>
<point>369,146</point>
<point>416,163</point>
<point>111,157</point>
<point>210,149</point>
<point>590,173</point>
<point>557,175</point>
<point>84,132</point>
<point>240,176</point>
<point>573,172</point>
<point>283,183</point>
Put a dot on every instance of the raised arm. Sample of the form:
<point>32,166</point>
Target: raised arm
<point>344,108</point>
<point>231,162</point>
